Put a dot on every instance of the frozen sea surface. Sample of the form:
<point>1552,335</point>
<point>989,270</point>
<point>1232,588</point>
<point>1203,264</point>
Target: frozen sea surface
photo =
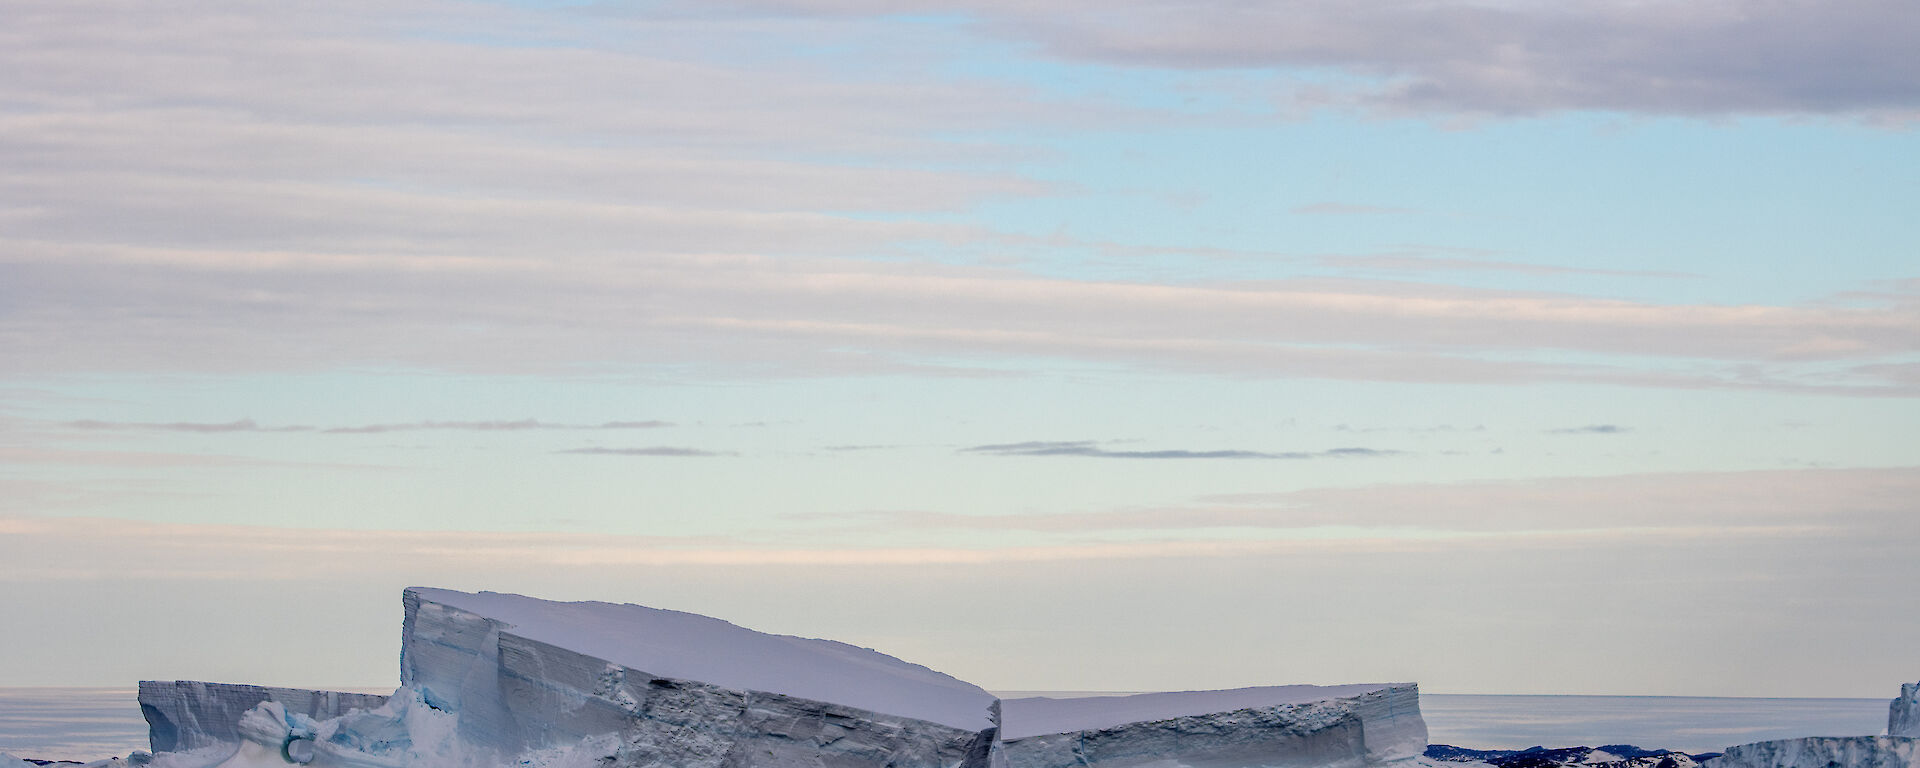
<point>91,723</point>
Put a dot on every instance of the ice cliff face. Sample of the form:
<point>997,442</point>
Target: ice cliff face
<point>680,690</point>
<point>504,680</point>
<point>1277,727</point>
<point>186,715</point>
<point>1903,717</point>
<point>1824,752</point>
<point>1900,748</point>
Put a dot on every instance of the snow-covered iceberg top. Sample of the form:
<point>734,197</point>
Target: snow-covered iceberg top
<point>1039,715</point>
<point>687,646</point>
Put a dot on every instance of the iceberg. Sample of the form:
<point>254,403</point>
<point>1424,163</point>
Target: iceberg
<point>1823,752</point>
<point>1899,748</point>
<point>498,679</point>
<point>1267,727</point>
<point>1903,717</point>
<point>679,688</point>
<point>186,715</point>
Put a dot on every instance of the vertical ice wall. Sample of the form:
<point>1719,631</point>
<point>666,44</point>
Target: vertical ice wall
<point>1903,716</point>
<point>1823,752</point>
<point>185,715</point>
<point>492,679</point>
<point>1300,726</point>
<point>679,689</point>
<point>1900,748</point>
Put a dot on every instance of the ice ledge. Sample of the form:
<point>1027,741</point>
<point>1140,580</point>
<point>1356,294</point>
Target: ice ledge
<point>1824,752</point>
<point>1324,727</point>
<point>185,715</point>
<point>1898,749</point>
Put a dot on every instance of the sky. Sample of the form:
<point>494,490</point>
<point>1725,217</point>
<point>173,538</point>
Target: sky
<point>1503,346</point>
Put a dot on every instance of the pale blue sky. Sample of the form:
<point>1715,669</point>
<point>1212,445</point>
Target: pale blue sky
<point>1504,347</point>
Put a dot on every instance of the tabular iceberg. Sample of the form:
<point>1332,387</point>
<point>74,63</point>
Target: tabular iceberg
<point>680,689</point>
<point>1823,752</point>
<point>1269,727</point>
<point>1900,748</point>
<point>502,679</point>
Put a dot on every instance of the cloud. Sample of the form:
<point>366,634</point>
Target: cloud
<point>1091,449</point>
<point>155,459</point>
<point>248,425</point>
<point>658,450</point>
<point>1668,57</point>
<point>1591,429</point>
<point>332,192</point>
<point>803,316</point>
<point>1433,430</point>
<point>1799,502</point>
<point>237,425</point>
<point>1414,263</point>
<point>521,425</point>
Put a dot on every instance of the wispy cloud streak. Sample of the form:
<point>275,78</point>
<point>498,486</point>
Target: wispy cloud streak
<point>521,425</point>
<point>249,425</point>
<point>1662,57</point>
<point>1092,449</point>
<point>1591,429</point>
<point>237,425</point>
<point>658,450</point>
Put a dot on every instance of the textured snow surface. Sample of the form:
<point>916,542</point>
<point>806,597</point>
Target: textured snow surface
<point>1903,717</point>
<point>686,646</point>
<point>1039,715</point>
